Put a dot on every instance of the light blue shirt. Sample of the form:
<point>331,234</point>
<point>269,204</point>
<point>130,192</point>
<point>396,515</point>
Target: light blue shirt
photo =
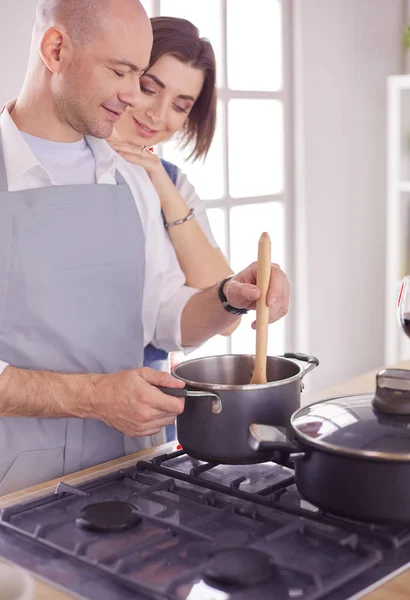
<point>70,163</point>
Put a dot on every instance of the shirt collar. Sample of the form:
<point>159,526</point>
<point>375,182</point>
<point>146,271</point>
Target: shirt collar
<point>106,159</point>
<point>19,158</point>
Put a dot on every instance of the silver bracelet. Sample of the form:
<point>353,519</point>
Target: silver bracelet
<point>190,215</point>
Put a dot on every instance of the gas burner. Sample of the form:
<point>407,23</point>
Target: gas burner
<point>231,538</point>
<point>108,517</point>
<point>196,531</point>
<point>244,567</point>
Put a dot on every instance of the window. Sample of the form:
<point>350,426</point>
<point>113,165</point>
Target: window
<point>244,179</point>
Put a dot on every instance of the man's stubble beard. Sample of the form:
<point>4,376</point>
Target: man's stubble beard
<point>74,106</point>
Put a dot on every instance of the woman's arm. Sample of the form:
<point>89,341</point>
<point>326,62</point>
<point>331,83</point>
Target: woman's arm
<point>202,263</point>
<point>209,265</point>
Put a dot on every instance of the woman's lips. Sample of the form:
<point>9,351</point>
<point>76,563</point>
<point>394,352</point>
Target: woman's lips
<point>144,131</point>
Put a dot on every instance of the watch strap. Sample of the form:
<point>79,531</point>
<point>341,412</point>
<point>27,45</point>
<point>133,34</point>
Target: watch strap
<point>224,301</point>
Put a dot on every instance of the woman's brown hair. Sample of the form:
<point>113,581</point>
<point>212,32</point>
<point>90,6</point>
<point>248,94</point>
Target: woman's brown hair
<point>180,38</point>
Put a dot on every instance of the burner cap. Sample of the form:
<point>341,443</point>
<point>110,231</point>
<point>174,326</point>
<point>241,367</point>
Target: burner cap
<point>231,538</point>
<point>239,566</point>
<point>108,516</point>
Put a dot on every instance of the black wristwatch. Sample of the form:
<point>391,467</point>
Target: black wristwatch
<point>224,301</point>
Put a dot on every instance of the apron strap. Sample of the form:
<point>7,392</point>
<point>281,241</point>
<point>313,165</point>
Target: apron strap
<point>119,178</point>
<point>3,177</point>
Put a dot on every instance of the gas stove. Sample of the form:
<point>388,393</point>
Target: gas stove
<point>175,528</point>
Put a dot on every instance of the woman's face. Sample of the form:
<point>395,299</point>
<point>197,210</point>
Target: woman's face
<point>169,90</point>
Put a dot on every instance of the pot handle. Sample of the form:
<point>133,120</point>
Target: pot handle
<point>311,360</point>
<point>392,392</point>
<point>263,438</point>
<point>216,404</point>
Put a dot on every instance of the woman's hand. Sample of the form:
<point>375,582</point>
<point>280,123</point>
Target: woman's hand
<point>140,155</point>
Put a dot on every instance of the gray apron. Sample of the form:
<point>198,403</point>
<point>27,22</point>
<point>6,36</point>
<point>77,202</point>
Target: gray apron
<point>72,267</point>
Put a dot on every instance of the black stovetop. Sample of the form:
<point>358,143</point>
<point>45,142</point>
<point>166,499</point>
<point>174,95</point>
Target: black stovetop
<point>200,532</point>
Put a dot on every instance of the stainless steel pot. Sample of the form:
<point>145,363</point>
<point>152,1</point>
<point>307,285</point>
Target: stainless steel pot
<point>214,426</point>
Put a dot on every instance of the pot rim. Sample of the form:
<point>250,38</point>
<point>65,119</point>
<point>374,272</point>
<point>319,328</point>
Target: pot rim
<point>373,455</point>
<point>245,387</point>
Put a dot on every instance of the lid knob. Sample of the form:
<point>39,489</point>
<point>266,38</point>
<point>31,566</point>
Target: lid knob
<point>392,392</point>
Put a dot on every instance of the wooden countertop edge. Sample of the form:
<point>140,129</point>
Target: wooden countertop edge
<point>396,589</point>
<point>79,477</point>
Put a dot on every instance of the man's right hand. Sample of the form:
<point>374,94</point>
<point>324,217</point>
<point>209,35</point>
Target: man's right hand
<point>129,402</point>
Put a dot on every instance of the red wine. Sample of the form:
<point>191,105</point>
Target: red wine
<point>405,323</point>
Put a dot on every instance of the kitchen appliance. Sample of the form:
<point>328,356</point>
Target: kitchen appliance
<point>175,528</point>
<point>215,427</point>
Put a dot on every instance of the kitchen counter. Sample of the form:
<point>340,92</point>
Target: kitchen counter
<point>395,589</point>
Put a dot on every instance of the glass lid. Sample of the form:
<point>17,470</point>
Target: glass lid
<point>367,425</point>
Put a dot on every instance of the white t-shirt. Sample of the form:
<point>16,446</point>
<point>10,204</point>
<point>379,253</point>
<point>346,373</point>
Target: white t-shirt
<point>61,160</point>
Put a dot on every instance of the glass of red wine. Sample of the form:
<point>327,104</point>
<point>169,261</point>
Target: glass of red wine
<point>404,305</point>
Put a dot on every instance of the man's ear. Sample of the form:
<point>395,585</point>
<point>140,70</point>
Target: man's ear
<point>55,48</point>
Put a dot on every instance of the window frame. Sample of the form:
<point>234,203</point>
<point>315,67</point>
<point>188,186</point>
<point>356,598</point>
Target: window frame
<point>285,96</point>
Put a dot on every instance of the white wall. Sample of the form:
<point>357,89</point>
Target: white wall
<point>345,49</point>
<point>15,33</point>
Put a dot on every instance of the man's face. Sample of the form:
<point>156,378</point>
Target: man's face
<point>102,78</point>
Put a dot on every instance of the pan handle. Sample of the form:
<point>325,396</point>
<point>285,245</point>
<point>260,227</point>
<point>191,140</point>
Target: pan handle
<point>267,439</point>
<point>177,392</point>
<point>311,360</point>
<point>216,404</point>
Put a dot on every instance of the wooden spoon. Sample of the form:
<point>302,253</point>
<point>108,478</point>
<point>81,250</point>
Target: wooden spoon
<point>262,309</point>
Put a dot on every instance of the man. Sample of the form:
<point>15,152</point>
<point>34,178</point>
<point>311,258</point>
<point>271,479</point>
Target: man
<point>87,273</point>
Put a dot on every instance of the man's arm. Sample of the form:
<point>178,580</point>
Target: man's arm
<point>125,400</point>
<point>204,315</point>
<point>128,400</point>
<point>25,393</point>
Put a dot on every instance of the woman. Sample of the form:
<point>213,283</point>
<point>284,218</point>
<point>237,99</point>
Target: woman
<point>178,97</point>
